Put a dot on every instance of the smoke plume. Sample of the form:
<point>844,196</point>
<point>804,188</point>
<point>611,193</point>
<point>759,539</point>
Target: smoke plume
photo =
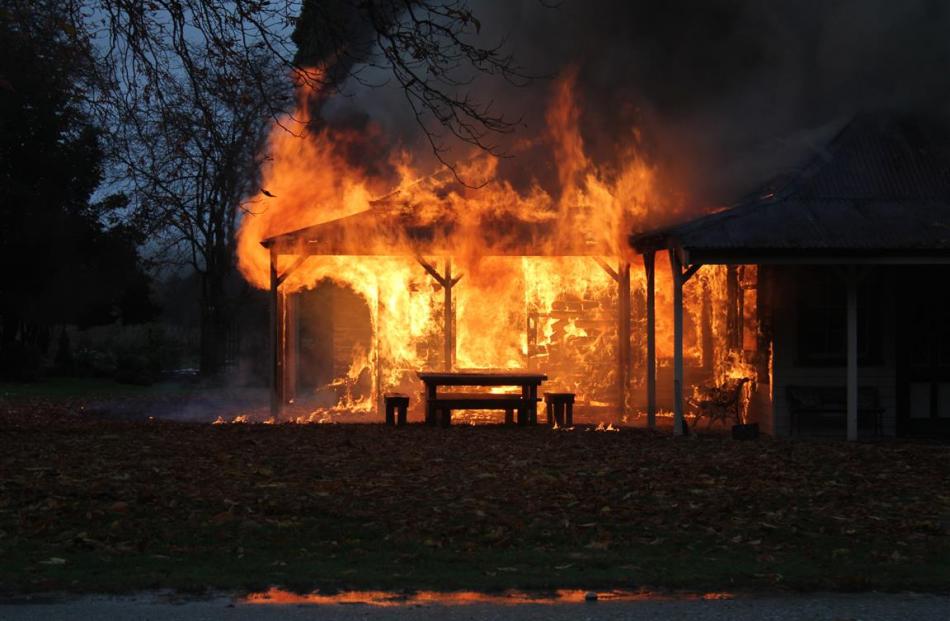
<point>718,94</point>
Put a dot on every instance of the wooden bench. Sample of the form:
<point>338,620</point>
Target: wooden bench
<point>396,402</point>
<point>826,407</point>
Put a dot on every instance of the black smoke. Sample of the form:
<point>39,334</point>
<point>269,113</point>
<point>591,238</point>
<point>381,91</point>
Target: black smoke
<point>724,93</point>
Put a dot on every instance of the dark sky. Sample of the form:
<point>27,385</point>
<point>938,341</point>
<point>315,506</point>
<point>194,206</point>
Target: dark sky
<point>724,92</point>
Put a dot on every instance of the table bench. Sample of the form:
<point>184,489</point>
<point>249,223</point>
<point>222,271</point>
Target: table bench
<point>439,406</point>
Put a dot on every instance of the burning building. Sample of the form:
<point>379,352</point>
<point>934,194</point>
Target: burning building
<point>480,274</point>
<point>782,308</point>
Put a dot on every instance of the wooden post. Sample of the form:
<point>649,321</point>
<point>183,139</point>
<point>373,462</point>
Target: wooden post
<point>852,381</point>
<point>275,404</point>
<point>291,346</point>
<point>706,328</point>
<point>740,307</point>
<point>623,334</point>
<point>283,316</point>
<point>677,269</point>
<point>648,266</point>
<point>763,300</point>
<point>377,347</point>
<point>622,277</point>
<point>448,319</point>
<point>733,336</point>
<point>448,349</point>
<point>281,350</point>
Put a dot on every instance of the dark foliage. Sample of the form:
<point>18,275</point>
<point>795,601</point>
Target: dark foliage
<point>64,264</point>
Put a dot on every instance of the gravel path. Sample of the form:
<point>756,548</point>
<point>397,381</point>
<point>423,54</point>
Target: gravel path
<point>821,607</point>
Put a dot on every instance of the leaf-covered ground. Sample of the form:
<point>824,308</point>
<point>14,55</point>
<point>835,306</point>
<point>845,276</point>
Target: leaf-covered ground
<point>94,505</point>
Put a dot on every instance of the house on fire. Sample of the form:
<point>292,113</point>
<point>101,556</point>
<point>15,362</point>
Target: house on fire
<point>853,283</point>
<point>840,272</point>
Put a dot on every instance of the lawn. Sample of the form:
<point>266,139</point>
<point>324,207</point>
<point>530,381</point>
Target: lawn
<point>88,504</point>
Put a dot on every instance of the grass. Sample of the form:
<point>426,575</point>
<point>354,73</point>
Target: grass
<point>88,505</point>
<point>268,561</point>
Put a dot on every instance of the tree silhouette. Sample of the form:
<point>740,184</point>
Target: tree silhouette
<point>67,258</point>
<point>186,88</point>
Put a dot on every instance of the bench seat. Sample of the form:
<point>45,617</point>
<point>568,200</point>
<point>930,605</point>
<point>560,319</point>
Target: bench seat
<point>478,400</point>
<point>509,402</point>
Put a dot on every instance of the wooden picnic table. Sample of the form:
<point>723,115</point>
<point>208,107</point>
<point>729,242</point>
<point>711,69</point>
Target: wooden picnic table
<point>524,402</point>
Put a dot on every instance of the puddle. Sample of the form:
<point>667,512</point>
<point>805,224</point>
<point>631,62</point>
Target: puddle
<point>463,598</point>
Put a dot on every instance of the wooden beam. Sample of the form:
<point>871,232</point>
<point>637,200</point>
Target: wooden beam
<point>649,262</point>
<point>689,271</point>
<point>431,270</point>
<point>851,285</point>
<point>613,274</point>
<point>293,267</point>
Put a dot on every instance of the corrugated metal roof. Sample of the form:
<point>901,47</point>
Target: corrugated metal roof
<point>882,184</point>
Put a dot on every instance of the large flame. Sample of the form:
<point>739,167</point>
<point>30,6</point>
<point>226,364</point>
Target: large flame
<point>552,308</point>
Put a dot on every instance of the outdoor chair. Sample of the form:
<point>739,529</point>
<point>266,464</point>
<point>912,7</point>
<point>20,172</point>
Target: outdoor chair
<point>720,403</point>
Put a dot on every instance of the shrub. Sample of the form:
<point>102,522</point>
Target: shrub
<point>64,363</point>
<point>21,362</point>
<point>135,369</point>
<point>90,362</point>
